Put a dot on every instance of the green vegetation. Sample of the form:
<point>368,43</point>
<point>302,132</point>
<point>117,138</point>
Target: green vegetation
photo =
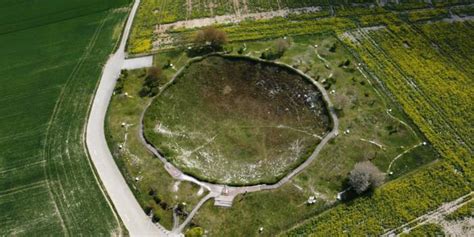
<point>194,232</point>
<point>425,230</point>
<point>326,175</point>
<point>153,187</point>
<point>52,57</point>
<point>465,211</point>
<point>361,110</point>
<point>435,92</point>
<point>148,36</point>
<point>413,73</point>
<point>427,84</point>
<point>266,119</point>
<point>391,205</point>
<point>427,14</point>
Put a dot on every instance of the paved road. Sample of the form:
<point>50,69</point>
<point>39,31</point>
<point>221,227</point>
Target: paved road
<point>140,62</point>
<point>132,215</point>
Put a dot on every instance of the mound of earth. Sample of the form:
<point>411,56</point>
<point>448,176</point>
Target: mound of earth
<point>237,121</point>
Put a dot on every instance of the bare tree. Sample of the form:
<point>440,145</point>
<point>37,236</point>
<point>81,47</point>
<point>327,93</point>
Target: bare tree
<point>210,37</point>
<point>365,176</point>
<point>281,45</point>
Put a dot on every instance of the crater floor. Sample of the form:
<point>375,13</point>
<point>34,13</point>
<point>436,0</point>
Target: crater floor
<point>237,121</point>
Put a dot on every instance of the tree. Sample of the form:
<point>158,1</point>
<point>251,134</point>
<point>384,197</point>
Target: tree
<point>151,85</point>
<point>281,45</point>
<point>210,37</point>
<point>365,176</point>
<point>279,48</point>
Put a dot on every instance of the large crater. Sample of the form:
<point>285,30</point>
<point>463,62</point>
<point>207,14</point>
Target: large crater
<point>237,121</point>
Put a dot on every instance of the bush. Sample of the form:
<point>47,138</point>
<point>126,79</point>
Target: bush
<point>120,82</point>
<point>333,48</point>
<point>211,38</point>
<point>281,45</point>
<point>194,232</point>
<point>148,210</point>
<point>151,86</point>
<point>157,199</point>
<point>155,218</point>
<point>365,176</point>
<point>277,51</point>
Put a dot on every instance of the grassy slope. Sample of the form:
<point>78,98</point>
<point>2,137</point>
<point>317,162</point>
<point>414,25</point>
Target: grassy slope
<point>135,160</point>
<point>46,183</point>
<point>365,116</point>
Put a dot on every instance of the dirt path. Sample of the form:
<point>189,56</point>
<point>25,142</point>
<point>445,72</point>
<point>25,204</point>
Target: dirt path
<point>401,154</point>
<point>236,5</point>
<point>189,8</point>
<point>232,18</point>
<point>180,228</point>
<point>246,6</point>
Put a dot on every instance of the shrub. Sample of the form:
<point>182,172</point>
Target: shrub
<point>120,82</point>
<point>279,48</point>
<point>151,86</point>
<point>194,232</point>
<point>333,48</point>
<point>210,37</point>
<point>157,199</point>
<point>365,176</point>
<point>281,45</point>
<point>155,218</point>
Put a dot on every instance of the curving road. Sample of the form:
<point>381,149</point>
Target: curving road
<point>132,215</point>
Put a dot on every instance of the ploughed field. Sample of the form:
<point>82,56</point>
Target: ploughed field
<point>237,121</point>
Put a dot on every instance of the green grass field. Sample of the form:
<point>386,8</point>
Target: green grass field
<point>52,57</point>
<point>135,160</point>
<point>433,59</point>
<point>362,109</point>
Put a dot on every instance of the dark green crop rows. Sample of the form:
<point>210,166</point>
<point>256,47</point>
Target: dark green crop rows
<point>52,57</point>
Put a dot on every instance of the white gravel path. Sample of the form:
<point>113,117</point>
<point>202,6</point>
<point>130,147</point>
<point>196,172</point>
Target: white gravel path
<point>132,215</point>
